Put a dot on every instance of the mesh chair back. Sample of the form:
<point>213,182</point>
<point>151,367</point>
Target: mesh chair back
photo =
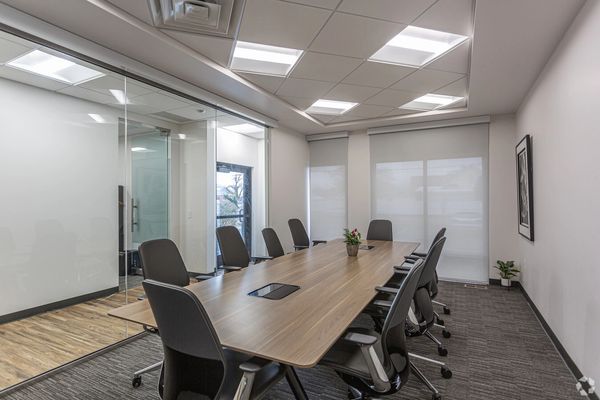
<point>380,229</point>
<point>392,335</point>
<point>437,237</point>
<point>193,356</point>
<point>274,247</point>
<point>430,263</point>
<point>299,235</point>
<point>162,262</point>
<point>233,249</point>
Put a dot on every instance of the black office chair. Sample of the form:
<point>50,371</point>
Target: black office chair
<point>233,249</point>
<point>274,247</point>
<point>378,364</point>
<point>424,316</point>
<point>380,229</point>
<point>299,235</point>
<point>196,366</point>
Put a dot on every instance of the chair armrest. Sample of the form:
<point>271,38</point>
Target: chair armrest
<point>227,268</point>
<point>410,260</point>
<point>255,364</point>
<point>259,259</point>
<point>385,289</point>
<point>360,338</point>
<point>203,277</point>
<point>300,247</point>
<point>419,254</point>
<point>382,303</point>
<point>316,242</point>
<point>403,268</point>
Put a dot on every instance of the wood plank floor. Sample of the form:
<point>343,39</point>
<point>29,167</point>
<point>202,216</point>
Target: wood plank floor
<point>33,345</point>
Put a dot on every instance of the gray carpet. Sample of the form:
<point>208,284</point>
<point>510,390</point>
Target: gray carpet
<point>498,350</point>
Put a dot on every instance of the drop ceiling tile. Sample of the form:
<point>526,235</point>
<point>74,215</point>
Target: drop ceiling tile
<point>352,93</point>
<point>457,88</point>
<point>10,50</point>
<point>455,16</point>
<point>304,88</point>
<point>105,83</point>
<point>158,101</point>
<point>301,103</point>
<point>282,24</point>
<point>345,118</point>
<point>324,118</point>
<point>216,48</point>
<point>377,74</point>
<point>426,81</point>
<point>368,111</point>
<point>137,8</point>
<point>193,112</point>
<point>324,67</point>
<point>457,60</point>
<point>398,111</point>
<point>328,4</point>
<point>267,82</point>
<point>30,79</point>
<point>392,98</point>
<point>87,94</point>
<point>354,36</point>
<point>404,11</point>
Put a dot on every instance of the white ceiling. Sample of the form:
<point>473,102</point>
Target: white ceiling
<point>512,40</point>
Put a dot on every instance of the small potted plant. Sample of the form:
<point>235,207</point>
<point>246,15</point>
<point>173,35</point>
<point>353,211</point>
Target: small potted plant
<point>507,271</point>
<point>352,240</point>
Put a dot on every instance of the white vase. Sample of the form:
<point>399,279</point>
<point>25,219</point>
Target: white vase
<point>505,282</point>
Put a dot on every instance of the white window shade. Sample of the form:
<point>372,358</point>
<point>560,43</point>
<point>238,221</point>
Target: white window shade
<point>428,179</point>
<point>328,188</point>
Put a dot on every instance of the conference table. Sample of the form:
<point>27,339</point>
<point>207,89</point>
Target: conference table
<point>298,329</point>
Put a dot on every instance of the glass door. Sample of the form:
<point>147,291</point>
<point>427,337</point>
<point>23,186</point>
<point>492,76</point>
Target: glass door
<point>234,200</point>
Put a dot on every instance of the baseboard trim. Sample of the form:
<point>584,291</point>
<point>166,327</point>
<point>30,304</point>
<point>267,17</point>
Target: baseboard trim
<point>60,368</point>
<point>57,305</point>
<point>561,349</point>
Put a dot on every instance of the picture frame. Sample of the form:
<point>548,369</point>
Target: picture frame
<point>525,188</point>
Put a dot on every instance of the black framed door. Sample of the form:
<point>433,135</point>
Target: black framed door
<point>234,200</point>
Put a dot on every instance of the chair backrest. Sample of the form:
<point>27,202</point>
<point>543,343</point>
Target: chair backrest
<point>422,298</point>
<point>274,247</point>
<point>431,262</point>
<point>392,334</point>
<point>162,262</point>
<point>380,229</point>
<point>437,237</point>
<point>299,235</point>
<point>233,248</point>
<point>193,355</point>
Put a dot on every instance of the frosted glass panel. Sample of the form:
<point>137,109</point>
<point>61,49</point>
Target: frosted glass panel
<point>328,182</point>
<point>429,179</point>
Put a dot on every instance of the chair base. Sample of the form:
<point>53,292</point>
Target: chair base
<point>435,394</point>
<point>136,381</point>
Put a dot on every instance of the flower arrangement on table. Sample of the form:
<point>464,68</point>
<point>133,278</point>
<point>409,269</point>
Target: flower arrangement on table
<point>352,240</point>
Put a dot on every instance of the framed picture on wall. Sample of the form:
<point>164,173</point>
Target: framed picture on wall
<point>525,187</point>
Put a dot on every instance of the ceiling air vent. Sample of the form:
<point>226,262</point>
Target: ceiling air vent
<point>212,17</point>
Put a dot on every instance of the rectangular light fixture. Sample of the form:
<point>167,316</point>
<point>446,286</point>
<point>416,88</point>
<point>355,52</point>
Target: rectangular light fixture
<point>54,67</point>
<point>415,47</point>
<point>98,118</point>
<point>330,107</point>
<point>262,59</point>
<point>244,128</point>
<point>119,95</point>
<point>431,101</point>
<point>141,150</point>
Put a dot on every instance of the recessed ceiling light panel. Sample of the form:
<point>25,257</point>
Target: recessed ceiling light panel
<point>416,46</point>
<point>330,107</point>
<point>119,95</point>
<point>244,128</point>
<point>53,67</point>
<point>431,101</point>
<point>262,59</point>
<point>98,118</point>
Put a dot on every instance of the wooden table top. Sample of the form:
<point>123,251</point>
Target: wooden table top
<point>298,329</point>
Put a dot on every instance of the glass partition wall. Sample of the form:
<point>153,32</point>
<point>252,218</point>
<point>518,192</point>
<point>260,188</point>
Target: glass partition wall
<point>93,164</point>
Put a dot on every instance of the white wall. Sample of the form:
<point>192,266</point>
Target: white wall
<point>288,182</point>
<point>58,212</point>
<point>359,181</point>
<point>502,192</point>
<point>560,270</point>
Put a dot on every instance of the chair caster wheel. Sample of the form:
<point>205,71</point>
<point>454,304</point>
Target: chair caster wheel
<point>440,321</point>
<point>446,334</point>
<point>446,373</point>
<point>437,396</point>
<point>442,351</point>
<point>446,311</point>
<point>136,382</point>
